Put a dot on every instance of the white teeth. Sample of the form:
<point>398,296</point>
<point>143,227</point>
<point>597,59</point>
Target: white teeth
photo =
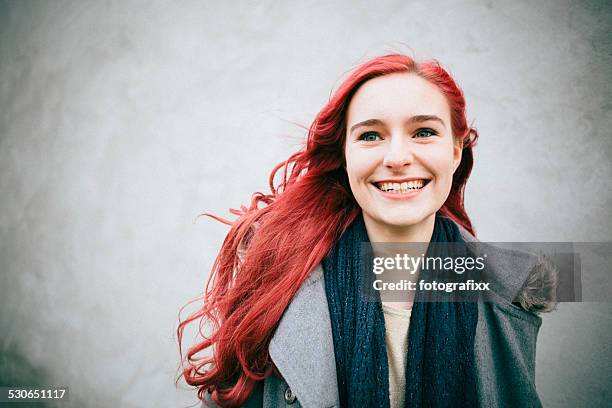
<point>401,187</point>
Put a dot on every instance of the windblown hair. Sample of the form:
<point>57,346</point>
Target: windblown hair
<point>258,270</point>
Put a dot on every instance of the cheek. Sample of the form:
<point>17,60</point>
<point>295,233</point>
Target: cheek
<point>441,162</point>
<point>360,164</point>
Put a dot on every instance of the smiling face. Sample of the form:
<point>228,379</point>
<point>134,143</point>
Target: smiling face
<point>400,155</point>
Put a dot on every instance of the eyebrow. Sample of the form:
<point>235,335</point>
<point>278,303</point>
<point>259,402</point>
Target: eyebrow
<point>414,119</point>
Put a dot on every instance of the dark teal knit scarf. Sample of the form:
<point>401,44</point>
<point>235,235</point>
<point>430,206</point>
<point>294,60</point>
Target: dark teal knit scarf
<point>440,363</point>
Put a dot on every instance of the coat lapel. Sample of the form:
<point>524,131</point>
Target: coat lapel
<point>302,347</point>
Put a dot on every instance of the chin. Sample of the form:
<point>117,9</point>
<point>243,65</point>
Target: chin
<point>401,220</point>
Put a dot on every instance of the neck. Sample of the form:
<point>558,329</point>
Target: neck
<point>420,232</point>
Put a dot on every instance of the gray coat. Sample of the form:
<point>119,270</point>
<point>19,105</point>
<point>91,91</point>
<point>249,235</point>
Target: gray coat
<point>505,344</point>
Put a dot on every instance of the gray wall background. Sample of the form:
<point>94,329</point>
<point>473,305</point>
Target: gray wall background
<point>121,121</point>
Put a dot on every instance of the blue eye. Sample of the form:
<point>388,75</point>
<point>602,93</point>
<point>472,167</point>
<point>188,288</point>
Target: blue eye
<point>369,136</point>
<point>424,133</point>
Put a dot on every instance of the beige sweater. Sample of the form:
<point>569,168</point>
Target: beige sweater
<point>396,330</point>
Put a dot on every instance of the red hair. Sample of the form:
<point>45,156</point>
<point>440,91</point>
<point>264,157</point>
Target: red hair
<point>301,219</point>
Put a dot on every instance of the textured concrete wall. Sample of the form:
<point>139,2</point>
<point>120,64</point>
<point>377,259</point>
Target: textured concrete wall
<point>120,121</point>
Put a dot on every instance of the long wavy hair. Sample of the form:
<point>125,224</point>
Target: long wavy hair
<point>258,270</point>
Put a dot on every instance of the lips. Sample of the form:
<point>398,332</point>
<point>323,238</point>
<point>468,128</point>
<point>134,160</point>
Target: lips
<point>401,186</point>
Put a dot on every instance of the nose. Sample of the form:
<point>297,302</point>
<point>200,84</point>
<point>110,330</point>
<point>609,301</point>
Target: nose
<point>399,154</point>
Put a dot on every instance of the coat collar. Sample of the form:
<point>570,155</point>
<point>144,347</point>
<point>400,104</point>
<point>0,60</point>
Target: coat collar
<point>507,268</point>
<point>302,346</point>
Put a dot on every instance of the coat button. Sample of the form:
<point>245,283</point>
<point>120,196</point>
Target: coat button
<point>289,396</point>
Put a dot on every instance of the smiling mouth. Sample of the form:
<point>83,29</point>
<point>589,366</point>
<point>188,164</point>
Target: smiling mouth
<point>400,188</point>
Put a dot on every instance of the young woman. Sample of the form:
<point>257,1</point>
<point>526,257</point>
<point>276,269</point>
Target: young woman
<point>386,160</point>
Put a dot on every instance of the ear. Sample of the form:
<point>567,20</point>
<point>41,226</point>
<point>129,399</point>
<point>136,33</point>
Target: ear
<point>457,153</point>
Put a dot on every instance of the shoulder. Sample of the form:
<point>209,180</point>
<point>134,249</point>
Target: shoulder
<point>526,279</point>
<point>539,291</point>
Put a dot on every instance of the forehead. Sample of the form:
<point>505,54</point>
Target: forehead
<point>400,95</point>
